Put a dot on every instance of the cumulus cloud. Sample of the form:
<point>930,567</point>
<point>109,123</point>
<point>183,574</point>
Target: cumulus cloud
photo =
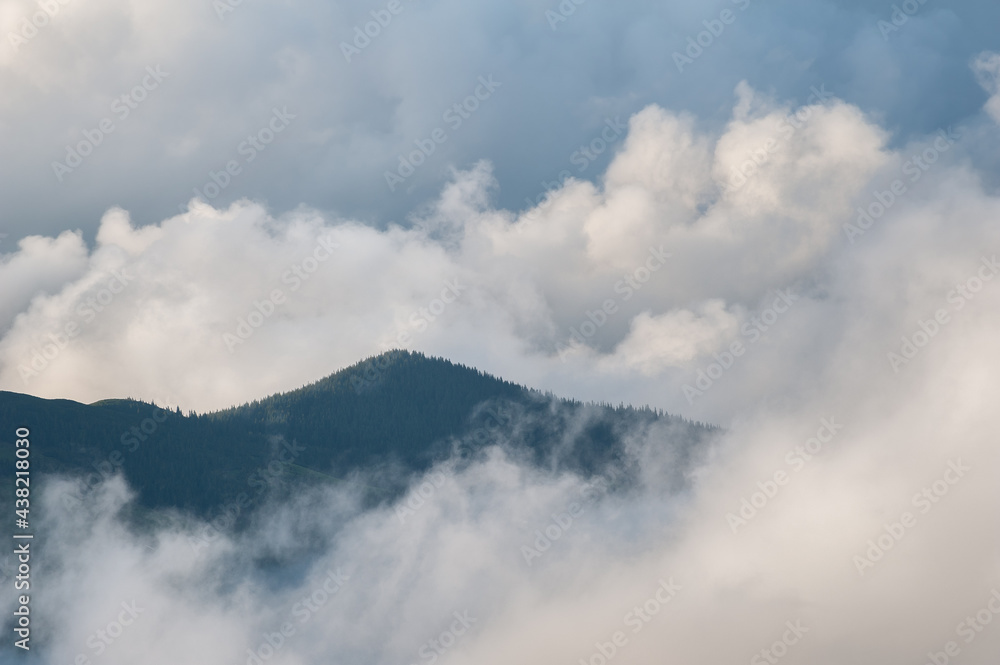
<point>790,238</point>
<point>831,298</point>
<point>227,66</point>
<point>39,265</point>
<point>689,243</point>
<point>675,338</point>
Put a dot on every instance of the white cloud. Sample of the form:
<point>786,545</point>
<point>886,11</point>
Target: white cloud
<point>671,250</point>
<point>523,282</point>
<point>464,550</point>
<point>39,265</point>
<point>676,338</point>
<point>987,69</point>
<point>656,269</point>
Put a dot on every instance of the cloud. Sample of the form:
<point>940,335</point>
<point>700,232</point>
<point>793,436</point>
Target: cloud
<point>355,118</point>
<point>811,262</point>
<point>676,337</point>
<point>631,286</point>
<point>851,496</point>
<point>987,69</point>
<point>498,561</point>
<point>39,265</point>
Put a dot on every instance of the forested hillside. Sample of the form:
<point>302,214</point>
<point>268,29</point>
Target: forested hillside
<point>390,416</point>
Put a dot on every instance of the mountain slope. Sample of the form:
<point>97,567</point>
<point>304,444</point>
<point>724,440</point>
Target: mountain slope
<point>390,415</point>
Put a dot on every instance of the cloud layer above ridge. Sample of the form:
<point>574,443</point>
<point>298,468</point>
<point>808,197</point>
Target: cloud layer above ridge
<point>760,236</point>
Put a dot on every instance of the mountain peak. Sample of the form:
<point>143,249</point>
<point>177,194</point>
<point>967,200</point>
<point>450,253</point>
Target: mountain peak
<point>393,414</point>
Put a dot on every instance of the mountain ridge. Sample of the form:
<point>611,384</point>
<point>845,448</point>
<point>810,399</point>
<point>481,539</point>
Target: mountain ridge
<point>389,416</point>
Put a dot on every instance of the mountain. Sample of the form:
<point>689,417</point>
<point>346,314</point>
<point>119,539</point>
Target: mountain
<point>388,417</point>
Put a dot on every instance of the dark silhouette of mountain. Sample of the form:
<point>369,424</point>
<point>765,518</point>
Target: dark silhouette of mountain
<point>388,417</point>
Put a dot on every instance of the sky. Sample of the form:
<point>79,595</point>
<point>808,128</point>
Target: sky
<point>536,152</point>
<point>778,217</point>
<point>225,66</point>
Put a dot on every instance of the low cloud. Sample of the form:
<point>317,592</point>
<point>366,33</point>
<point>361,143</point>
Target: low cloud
<point>500,561</point>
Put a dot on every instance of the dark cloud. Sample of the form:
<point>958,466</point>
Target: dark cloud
<point>354,118</point>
